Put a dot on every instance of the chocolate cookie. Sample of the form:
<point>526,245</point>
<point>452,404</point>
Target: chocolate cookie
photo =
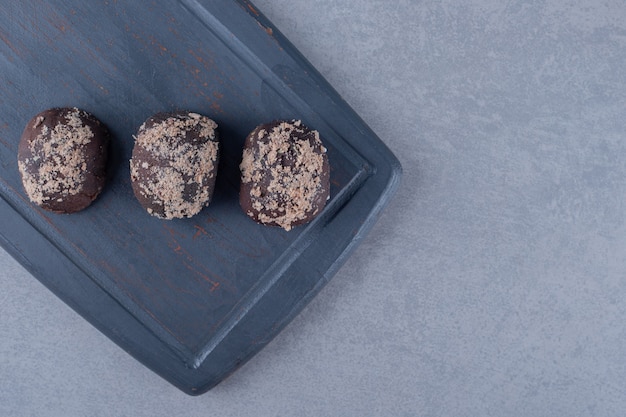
<point>285,176</point>
<point>174,164</point>
<point>62,159</point>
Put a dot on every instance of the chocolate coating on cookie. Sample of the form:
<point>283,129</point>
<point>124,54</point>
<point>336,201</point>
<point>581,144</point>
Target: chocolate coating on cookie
<point>285,176</point>
<point>174,164</point>
<point>62,159</point>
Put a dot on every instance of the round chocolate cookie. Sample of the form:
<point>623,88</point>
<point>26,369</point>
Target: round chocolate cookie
<point>62,159</point>
<point>285,176</point>
<point>174,164</point>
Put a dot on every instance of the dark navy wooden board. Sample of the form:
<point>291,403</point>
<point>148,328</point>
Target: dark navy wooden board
<point>192,299</point>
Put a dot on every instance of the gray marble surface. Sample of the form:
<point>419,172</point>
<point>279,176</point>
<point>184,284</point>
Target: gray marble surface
<point>495,282</point>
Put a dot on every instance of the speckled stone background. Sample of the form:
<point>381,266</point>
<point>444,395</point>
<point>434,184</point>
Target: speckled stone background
<point>495,282</point>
